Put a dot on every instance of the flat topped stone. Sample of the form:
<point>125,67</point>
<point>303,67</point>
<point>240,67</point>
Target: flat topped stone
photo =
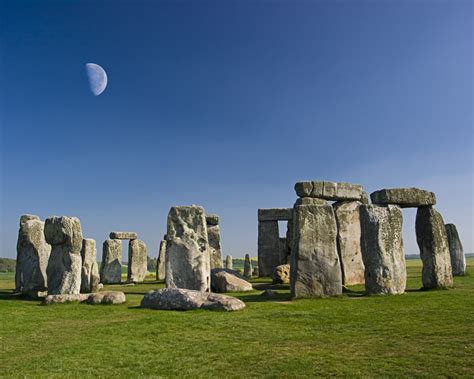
<point>404,197</point>
<point>212,219</point>
<point>123,235</point>
<point>335,191</point>
<point>275,214</point>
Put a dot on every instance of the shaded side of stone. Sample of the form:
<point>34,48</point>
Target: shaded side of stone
<point>89,272</point>
<point>214,237</point>
<point>268,247</point>
<point>160,263</point>
<point>456,251</point>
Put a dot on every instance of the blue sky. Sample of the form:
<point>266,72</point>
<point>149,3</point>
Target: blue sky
<point>227,104</point>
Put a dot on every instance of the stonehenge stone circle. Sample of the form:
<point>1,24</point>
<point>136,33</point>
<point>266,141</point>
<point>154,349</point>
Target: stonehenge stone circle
<point>137,261</point>
<point>32,256</point>
<point>315,267</point>
<point>90,278</point>
<point>382,249</point>
<point>111,266</point>
<point>336,191</point>
<point>458,259</point>
<point>187,249</point>
<point>434,249</point>
<point>247,266</point>
<point>123,236</point>
<point>64,234</point>
<point>160,262</point>
<point>214,238</point>
<point>228,262</point>
<point>403,197</point>
<point>281,274</point>
<point>348,241</point>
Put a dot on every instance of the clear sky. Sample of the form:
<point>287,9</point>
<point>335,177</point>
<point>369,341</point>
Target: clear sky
<point>227,104</point>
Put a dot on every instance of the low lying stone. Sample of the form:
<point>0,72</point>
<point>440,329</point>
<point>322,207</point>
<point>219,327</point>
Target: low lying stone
<point>335,191</point>
<point>403,197</point>
<point>184,300</point>
<point>275,214</point>
<point>281,274</point>
<point>123,235</point>
<point>226,282</point>
<point>111,297</point>
<point>65,298</point>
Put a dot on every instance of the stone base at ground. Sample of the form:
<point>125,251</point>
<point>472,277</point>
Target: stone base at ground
<point>184,300</point>
<point>112,297</point>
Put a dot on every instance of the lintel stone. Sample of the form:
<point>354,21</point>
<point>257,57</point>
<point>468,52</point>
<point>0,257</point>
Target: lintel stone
<point>275,214</point>
<point>403,197</point>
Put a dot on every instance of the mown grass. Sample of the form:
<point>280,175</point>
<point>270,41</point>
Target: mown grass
<point>421,333</point>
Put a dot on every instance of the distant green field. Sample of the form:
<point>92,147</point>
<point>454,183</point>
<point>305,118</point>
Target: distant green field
<point>418,334</point>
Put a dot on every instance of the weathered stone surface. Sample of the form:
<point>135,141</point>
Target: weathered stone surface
<point>456,251</point>
<point>111,266</point>
<point>275,214</point>
<point>214,238</point>
<point>123,235</point>
<point>382,249</point>
<point>315,268</point>
<point>269,293</point>
<point>283,251</point>
<point>310,201</point>
<point>64,234</point>
<point>110,297</point>
<point>187,249</point>
<point>336,191</point>
<point>228,262</point>
<point>403,197</point>
<point>281,275</point>
<point>184,300</point>
<point>255,271</point>
<point>223,281</point>
<point>247,266</point>
<point>268,247</point>
<point>137,261</point>
<point>212,219</point>
<point>434,249</point>
<point>90,271</point>
<point>348,242</point>
<point>160,263</point>
<point>32,256</point>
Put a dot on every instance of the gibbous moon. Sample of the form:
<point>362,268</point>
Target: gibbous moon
<point>97,78</point>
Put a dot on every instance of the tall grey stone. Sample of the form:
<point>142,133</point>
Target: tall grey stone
<point>434,249</point>
<point>247,266</point>
<point>382,249</point>
<point>268,247</point>
<point>348,241</point>
<point>284,251</point>
<point>228,262</point>
<point>187,249</point>
<point>160,262</point>
<point>111,266</point>
<point>64,234</point>
<point>214,237</point>
<point>315,269</point>
<point>90,278</point>
<point>458,259</point>
<point>403,197</point>
<point>137,261</point>
<point>32,256</point>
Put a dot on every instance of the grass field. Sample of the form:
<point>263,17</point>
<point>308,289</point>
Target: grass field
<point>421,333</point>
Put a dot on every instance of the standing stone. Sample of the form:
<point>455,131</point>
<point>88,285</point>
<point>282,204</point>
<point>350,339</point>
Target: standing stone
<point>137,261</point>
<point>458,259</point>
<point>160,262</point>
<point>32,256</point>
<point>315,267</point>
<point>268,247</point>
<point>382,249</point>
<point>255,271</point>
<point>247,266</point>
<point>64,234</point>
<point>348,242</point>
<point>284,251</point>
<point>214,237</point>
<point>90,272</point>
<point>187,249</point>
<point>228,262</point>
<point>111,267</point>
<point>434,249</point>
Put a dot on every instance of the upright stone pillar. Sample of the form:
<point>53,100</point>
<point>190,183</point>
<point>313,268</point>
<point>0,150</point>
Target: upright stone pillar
<point>268,247</point>
<point>247,266</point>
<point>348,241</point>
<point>214,237</point>
<point>89,272</point>
<point>315,268</point>
<point>32,256</point>
<point>228,262</point>
<point>64,234</point>
<point>111,267</point>
<point>187,249</point>
<point>137,261</point>
<point>284,251</point>
<point>160,262</point>
<point>458,259</point>
<point>434,249</point>
<point>382,249</point>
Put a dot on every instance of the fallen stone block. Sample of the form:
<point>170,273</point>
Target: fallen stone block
<point>110,297</point>
<point>224,281</point>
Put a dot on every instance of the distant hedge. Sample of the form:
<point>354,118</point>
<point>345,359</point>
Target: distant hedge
<point>7,265</point>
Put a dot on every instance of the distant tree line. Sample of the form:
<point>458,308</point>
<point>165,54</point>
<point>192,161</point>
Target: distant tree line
<point>7,265</point>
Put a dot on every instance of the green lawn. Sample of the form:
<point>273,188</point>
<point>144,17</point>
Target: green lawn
<point>421,333</point>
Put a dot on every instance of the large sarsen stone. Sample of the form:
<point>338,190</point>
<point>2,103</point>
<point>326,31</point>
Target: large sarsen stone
<point>268,247</point>
<point>111,266</point>
<point>90,272</point>
<point>404,197</point>
<point>458,259</point>
<point>214,238</point>
<point>336,191</point>
<point>137,261</point>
